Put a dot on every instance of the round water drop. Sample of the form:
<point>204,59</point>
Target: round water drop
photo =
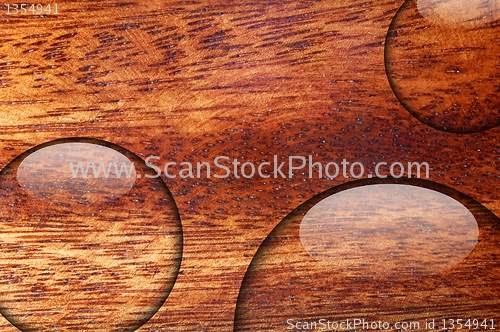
<point>95,253</point>
<point>441,59</point>
<point>374,251</point>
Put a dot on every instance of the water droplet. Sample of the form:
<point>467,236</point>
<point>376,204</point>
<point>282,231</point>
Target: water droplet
<point>374,250</point>
<point>450,66</point>
<point>96,253</point>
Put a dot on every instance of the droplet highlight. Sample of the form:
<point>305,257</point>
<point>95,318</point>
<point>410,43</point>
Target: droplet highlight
<point>460,13</point>
<point>389,229</point>
<point>85,170</point>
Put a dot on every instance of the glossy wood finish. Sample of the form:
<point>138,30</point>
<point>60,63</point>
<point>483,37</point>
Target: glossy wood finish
<point>189,81</point>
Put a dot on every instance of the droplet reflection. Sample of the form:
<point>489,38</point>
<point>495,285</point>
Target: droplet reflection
<point>389,229</point>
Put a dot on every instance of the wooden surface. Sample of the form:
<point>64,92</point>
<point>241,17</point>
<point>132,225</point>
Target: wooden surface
<point>190,81</point>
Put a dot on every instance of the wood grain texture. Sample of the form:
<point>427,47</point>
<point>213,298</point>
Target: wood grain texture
<point>192,80</point>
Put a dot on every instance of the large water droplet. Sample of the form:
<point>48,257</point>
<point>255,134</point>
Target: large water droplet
<point>91,254</point>
<point>441,59</point>
<point>376,251</point>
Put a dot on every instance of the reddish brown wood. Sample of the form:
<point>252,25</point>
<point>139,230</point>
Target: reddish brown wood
<point>190,81</point>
